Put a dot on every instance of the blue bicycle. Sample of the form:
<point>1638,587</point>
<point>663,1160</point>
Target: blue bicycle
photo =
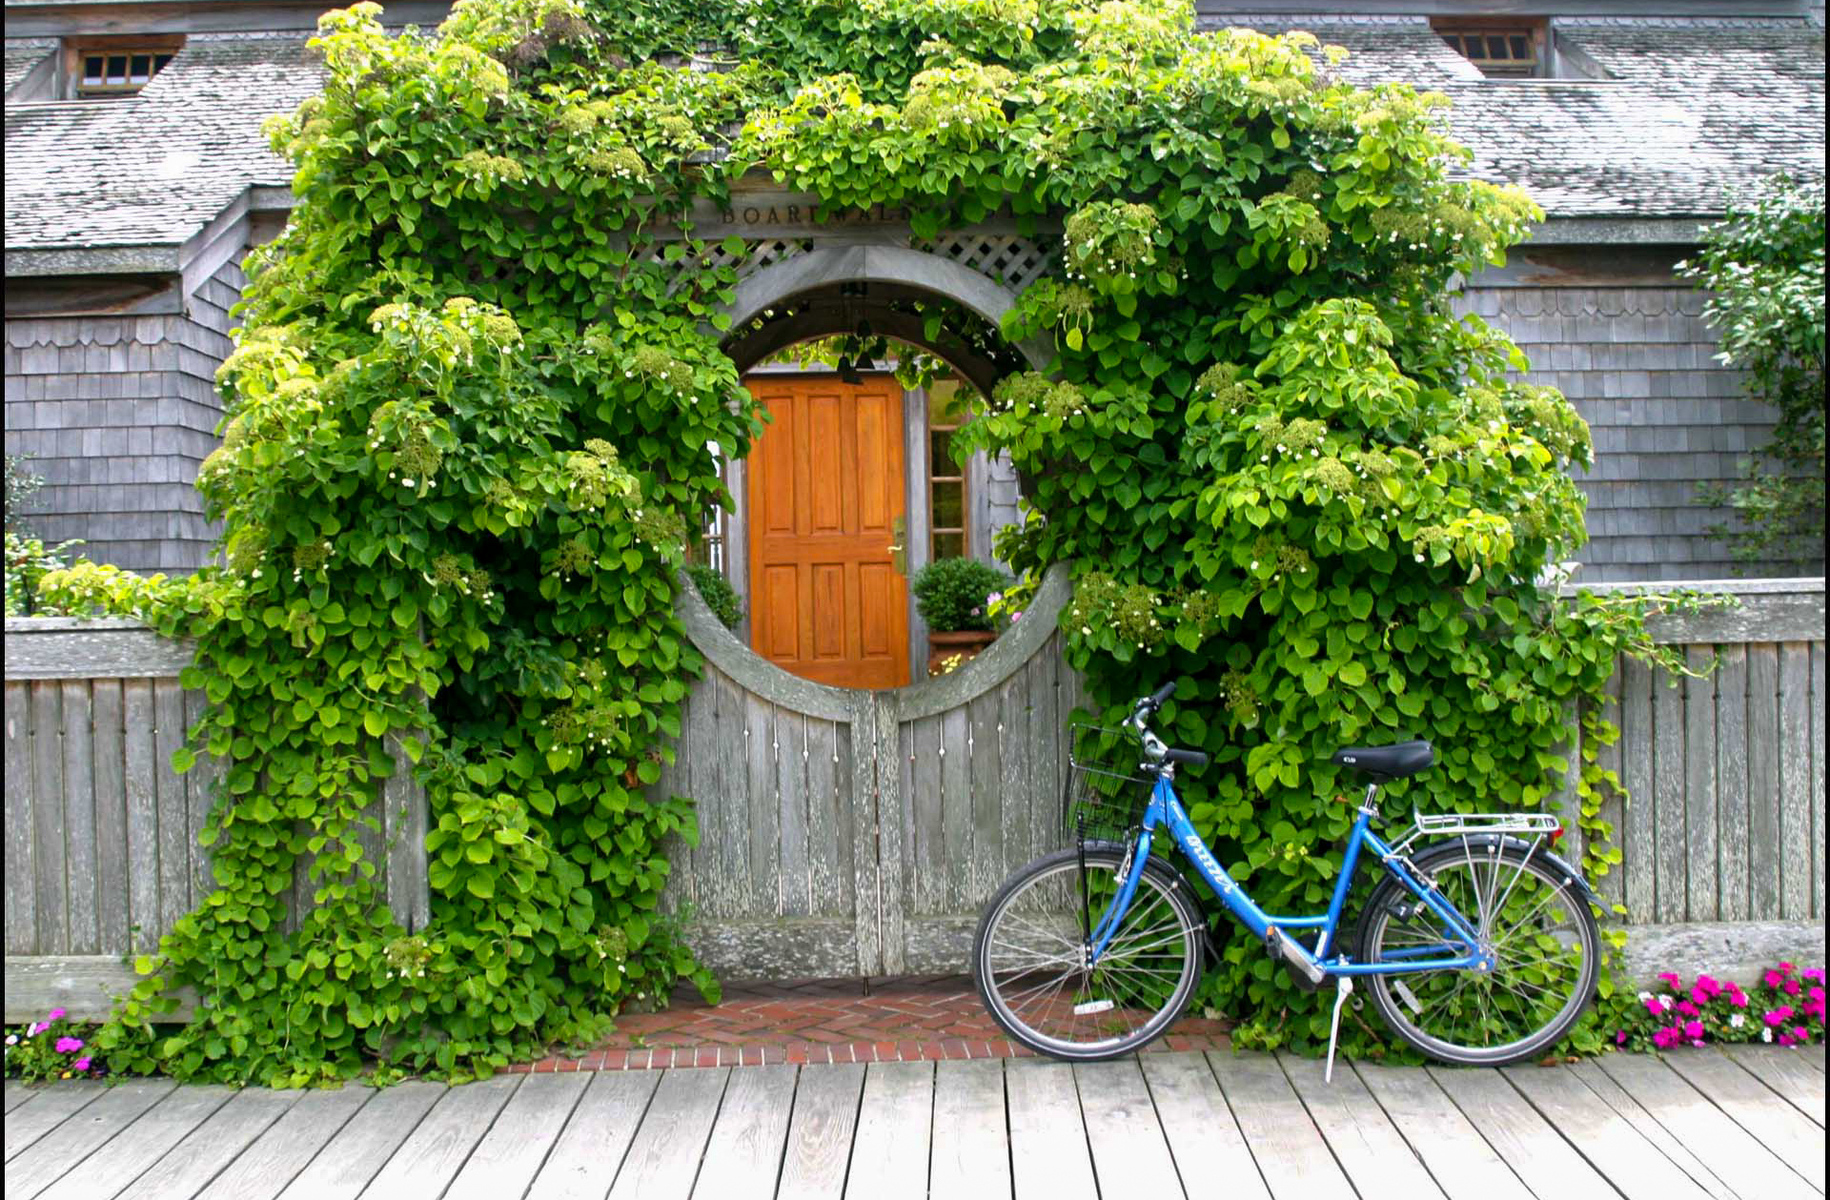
<point>1479,948</point>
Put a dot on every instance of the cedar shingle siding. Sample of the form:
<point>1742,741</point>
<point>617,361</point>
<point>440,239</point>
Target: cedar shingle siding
<point>1653,122</point>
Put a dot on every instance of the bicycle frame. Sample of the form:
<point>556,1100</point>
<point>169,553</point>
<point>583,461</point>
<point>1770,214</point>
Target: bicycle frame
<point>1165,811</point>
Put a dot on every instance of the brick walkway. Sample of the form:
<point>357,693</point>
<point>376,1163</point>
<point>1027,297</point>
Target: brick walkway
<point>825,1021</point>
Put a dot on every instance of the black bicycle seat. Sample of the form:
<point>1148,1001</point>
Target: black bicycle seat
<point>1388,762</point>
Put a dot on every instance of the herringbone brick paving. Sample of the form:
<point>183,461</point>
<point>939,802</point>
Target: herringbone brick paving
<point>825,1021</point>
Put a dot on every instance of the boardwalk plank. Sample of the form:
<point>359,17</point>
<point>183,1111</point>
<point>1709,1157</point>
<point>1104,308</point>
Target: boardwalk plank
<point>889,1152</point>
<point>1290,1150</point>
<point>1613,1145</point>
<point>1130,1154</point>
<point>1673,1147</point>
<point>509,1156</point>
<point>1606,1139</point>
<point>820,1132</point>
<point>1788,1073</point>
<point>78,1135</point>
<point>971,1148</point>
<point>142,1143</point>
<point>439,1145</point>
<point>269,1163</point>
<point>1547,1163</point>
<point>1202,1135</point>
<point>590,1150</point>
<point>1366,1142</point>
<point>1044,1164</point>
<point>47,1107</point>
<point>361,1148</point>
<point>184,1170</point>
<point>664,1158</point>
<point>1782,1129</point>
<point>18,1091</point>
<point>1458,1157</point>
<point>1736,1158</point>
<point>744,1157</point>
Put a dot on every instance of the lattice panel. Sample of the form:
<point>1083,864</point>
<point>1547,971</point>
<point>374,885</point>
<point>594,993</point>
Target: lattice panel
<point>757,254</point>
<point>1005,258</point>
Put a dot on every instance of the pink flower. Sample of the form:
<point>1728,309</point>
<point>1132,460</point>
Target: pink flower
<point>1800,1033</point>
<point>37,1028</point>
<point>1016,616</point>
<point>1654,1007</point>
<point>1813,974</point>
<point>56,1014</point>
<point>1671,979</point>
<point>81,1064</point>
<point>1688,1009</point>
<point>1785,1039</point>
<point>1773,979</point>
<point>1787,967</point>
<point>1778,1016</point>
<point>69,1045</point>
<point>1620,1038</point>
<point>1693,1029</point>
<point>1792,988</point>
<point>1736,996</point>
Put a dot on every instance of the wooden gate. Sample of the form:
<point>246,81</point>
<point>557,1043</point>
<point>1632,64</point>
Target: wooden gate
<point>847,832</point>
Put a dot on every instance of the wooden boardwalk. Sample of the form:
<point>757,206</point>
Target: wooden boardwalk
<point>1744,1123</point>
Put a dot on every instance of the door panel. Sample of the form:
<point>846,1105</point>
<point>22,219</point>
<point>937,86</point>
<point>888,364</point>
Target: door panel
<point>825,488</point>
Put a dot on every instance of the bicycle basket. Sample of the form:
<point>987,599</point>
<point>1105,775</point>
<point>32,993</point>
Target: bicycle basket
<point>1105,791</point>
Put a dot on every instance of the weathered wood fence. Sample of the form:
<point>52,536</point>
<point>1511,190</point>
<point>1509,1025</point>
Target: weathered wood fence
<point>858,833</point>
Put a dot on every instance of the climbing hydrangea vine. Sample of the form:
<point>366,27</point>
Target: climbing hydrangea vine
<point>476,403</point>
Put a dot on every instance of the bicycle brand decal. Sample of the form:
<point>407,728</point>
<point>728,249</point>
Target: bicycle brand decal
<point>1093,1006</point>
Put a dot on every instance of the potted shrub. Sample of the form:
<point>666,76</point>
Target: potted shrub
<point>953,596</point>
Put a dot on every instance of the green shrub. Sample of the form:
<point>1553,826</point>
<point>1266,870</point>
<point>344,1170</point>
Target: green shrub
<point>954,594</point>
<point>28,561</point>
<point>718,594</point>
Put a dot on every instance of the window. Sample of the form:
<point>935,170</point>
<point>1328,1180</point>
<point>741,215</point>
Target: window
<point>946,478</point>
<point>103,68</point>
<point>1512,49</point>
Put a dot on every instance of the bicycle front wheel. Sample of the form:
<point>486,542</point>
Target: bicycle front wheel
<point>1028,962</point>
<point>1535,920</point>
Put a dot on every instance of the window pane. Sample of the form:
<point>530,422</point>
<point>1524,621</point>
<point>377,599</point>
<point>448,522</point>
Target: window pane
<point>1454,42</point>
<point>142,69</point>
<point>92,69</point>
<point>1496,47</point>
<point>949,545</point>
<point>117,68</point>
<point>1521,47</point>
<point>949,505</point>
<point>159,61</point>
<point>940,458</point>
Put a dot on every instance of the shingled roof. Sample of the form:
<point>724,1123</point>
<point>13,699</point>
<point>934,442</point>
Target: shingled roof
<point>152,170</point>
<point>1692,109</point>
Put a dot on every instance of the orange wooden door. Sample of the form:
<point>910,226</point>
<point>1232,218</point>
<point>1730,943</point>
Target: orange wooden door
<point>825,493</point>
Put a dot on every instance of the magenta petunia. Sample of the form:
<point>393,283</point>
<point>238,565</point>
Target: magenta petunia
<point>1620,1038</point>
<point>1671,979</point>
<point>1773,979</point>
<point>1792,988</point>
<point>1654,1007</point>
<point>1787,967</point>
<point>81,1064</point>
<point>1778,1016</point>
<point>1693,1029</point>
<point>1688,1009</point>
<point>56,1014</point>
<point>69,1045</point>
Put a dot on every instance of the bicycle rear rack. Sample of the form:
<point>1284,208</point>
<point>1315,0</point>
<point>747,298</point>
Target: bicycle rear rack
<point>1536,825</point>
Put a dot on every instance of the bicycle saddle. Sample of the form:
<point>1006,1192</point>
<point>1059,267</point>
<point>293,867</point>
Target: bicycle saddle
<point>1388,762</point>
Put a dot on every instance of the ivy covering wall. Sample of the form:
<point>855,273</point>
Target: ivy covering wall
<point>472,418</point>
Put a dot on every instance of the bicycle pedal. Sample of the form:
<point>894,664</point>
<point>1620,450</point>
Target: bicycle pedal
<point>1306,975</point>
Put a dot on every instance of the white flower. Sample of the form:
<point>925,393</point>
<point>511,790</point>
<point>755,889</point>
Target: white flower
<point>1644,996</point>
<point>1766,1035</point>
<point>1738,1020</point>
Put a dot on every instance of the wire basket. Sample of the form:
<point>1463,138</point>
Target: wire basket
<point>1106,791</point>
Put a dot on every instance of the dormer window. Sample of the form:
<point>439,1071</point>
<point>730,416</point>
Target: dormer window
<point>1502,49</point>
<point>102,68</point>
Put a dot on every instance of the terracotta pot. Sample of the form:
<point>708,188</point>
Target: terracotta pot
<point>967,642</point>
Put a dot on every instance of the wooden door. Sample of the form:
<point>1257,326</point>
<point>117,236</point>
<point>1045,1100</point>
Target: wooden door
<point>826,500</point>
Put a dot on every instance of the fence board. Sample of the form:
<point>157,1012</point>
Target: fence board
<point>1700,880</point>
<point>1637,842</point>
<point>111,856</point>
<point>1731,783</point>
<point>21,902</point>
<point>1668,798</point>
<point>174,814</point>
<point>1763,776</point>
<point>1795,779</point>
<point>956,812</point>
<point>147,918</point>
<point>48,861</point>
<point>1613,885</point>
<point>791,755</point>
<point>825,891</point>
<point>764,896</point>
<point>1818,833</point>
<point>987,800</point>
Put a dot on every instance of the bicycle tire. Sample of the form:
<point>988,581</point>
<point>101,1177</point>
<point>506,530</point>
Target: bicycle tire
<point>1535,993</point>
<point>1156,973</point>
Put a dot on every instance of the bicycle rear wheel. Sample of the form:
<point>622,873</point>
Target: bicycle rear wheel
<point>1028,963</point>
<point>1536,921</point>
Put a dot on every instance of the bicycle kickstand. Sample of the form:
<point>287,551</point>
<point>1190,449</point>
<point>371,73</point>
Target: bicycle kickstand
<point>1343,988</point>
